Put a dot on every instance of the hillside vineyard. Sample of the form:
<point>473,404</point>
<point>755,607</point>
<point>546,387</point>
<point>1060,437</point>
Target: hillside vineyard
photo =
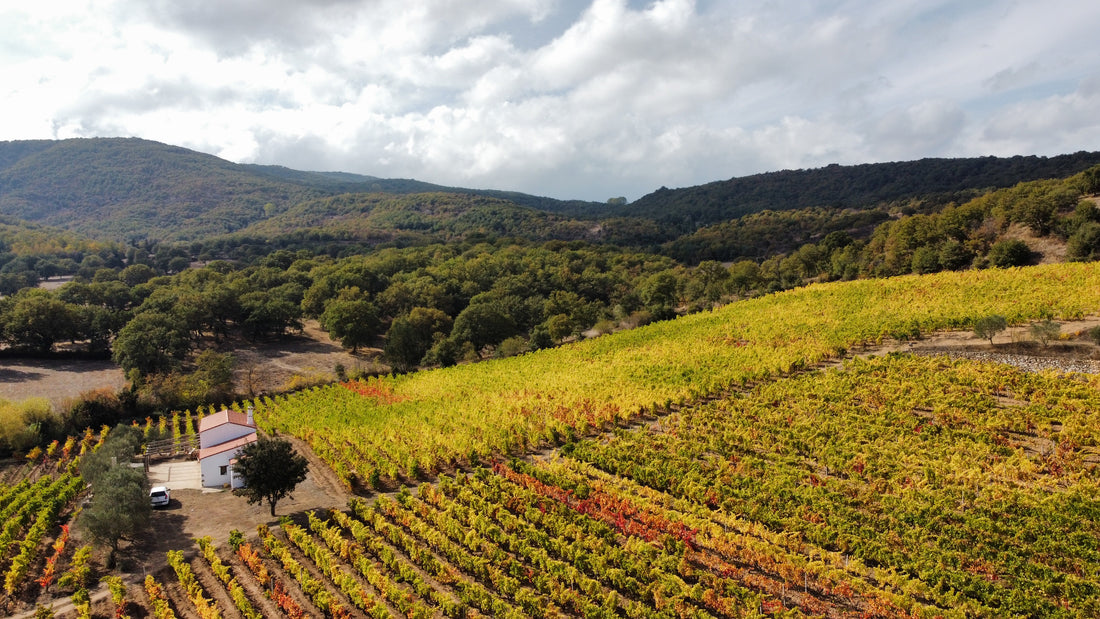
<point>699,467</point>
<point>400,427</point>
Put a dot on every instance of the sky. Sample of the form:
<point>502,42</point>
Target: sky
<point>563,98</point>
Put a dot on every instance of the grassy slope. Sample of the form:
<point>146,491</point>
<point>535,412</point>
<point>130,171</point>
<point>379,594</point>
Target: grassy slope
<point>438,416</point>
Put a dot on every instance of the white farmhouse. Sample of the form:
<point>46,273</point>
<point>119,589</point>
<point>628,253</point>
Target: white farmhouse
<point>221,438</point>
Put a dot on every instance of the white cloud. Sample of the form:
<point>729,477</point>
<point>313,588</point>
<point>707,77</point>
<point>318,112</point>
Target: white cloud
<point>561,97</point>
<point>1046,125</point>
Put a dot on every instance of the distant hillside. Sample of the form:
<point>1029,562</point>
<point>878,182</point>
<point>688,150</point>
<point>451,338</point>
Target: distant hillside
<point>131,189</point>
<point>20,238</point>
<point>415,218</point>
<point>859,186</point>
<point>128,188</point>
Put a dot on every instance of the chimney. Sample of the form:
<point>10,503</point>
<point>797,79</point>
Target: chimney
<point>250,422</point>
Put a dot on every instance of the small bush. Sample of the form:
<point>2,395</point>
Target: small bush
<point>1094,335</point>
<point>1009,253</point>
<point>1045,331</point>
<point>236,539</point>
<point>512,346</point>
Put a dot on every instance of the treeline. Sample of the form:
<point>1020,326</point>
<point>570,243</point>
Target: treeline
<point>974,234</point>
<point>415,219</point>
<point>469,298</point>
<point>437,304</point>
<point>682,211</point>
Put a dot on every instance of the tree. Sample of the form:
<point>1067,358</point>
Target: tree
<point>954,256</point>
<point>150,343</point>
<point>266,313</point>
<point>1084,244</point>
<point>1046,330</point>
<point>136,274</point>
<point>709,281</point>
<point>483,322</point>
<point>988,327</point>
<point>1009,253</point>
<point>120,507</point>
<point>351,319</point>
<point>410,337</point>
<point>36,320</point>
<point>212,379</point>
<point>925,260</point>
<point>1090,180</point>
<point>744,276</point>
<point>122,443</point>
<point>660,293</point>
<point>271,470</point>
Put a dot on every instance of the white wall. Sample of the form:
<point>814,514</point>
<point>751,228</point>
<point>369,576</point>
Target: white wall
<point>223,434</point>
<point>210,468</point>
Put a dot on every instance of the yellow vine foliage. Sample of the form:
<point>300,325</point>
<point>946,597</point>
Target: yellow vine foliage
<point>511,405</point>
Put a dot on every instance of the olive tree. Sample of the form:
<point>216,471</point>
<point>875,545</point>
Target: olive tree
<point>120,507</point>
<point>1046,330</point>
<point>988,327</point>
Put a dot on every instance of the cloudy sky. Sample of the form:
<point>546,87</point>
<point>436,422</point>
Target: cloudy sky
<point>566,98</point>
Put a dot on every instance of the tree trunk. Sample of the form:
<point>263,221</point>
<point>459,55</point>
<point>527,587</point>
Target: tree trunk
<point>272,504</point>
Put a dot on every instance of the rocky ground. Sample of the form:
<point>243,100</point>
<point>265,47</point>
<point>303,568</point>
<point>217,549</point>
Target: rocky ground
<point>1029,363</point>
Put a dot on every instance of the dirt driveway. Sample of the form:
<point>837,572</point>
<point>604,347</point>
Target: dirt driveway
<point>197,512</point>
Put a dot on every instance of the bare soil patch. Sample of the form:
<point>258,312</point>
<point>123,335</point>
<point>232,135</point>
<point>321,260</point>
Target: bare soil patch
<point>295,361</point>
<point>56,380</point>
<point>263,368</point>
<point>1048,249</point>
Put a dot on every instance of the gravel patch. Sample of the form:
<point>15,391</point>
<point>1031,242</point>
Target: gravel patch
<point>1024,362</point>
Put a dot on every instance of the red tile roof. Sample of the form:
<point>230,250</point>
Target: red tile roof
<point>223,417</point>
<point>226,446</point>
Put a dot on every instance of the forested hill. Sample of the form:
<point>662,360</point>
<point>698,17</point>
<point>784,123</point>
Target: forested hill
<point>858,186</point>
<point>128,188</point>
<point>131,188</point>
<point>343,182</point>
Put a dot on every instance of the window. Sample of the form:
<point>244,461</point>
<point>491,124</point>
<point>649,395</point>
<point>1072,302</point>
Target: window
<point>223,469</point>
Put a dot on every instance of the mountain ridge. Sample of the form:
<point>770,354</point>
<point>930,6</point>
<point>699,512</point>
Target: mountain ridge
<point>131,189</point>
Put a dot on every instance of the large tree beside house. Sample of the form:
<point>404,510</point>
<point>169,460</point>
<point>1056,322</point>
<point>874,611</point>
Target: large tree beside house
<point>271,470</point>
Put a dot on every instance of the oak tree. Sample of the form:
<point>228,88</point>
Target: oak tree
<point>271,470</point>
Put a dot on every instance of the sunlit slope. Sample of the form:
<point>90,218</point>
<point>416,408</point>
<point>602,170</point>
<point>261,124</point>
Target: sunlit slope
<point>411,424</point>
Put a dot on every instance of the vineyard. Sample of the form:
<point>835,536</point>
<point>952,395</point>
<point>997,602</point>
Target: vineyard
<point>894,486</point>
<point>399,429</point>
<point>37,500</point>
<point>705,469</point>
